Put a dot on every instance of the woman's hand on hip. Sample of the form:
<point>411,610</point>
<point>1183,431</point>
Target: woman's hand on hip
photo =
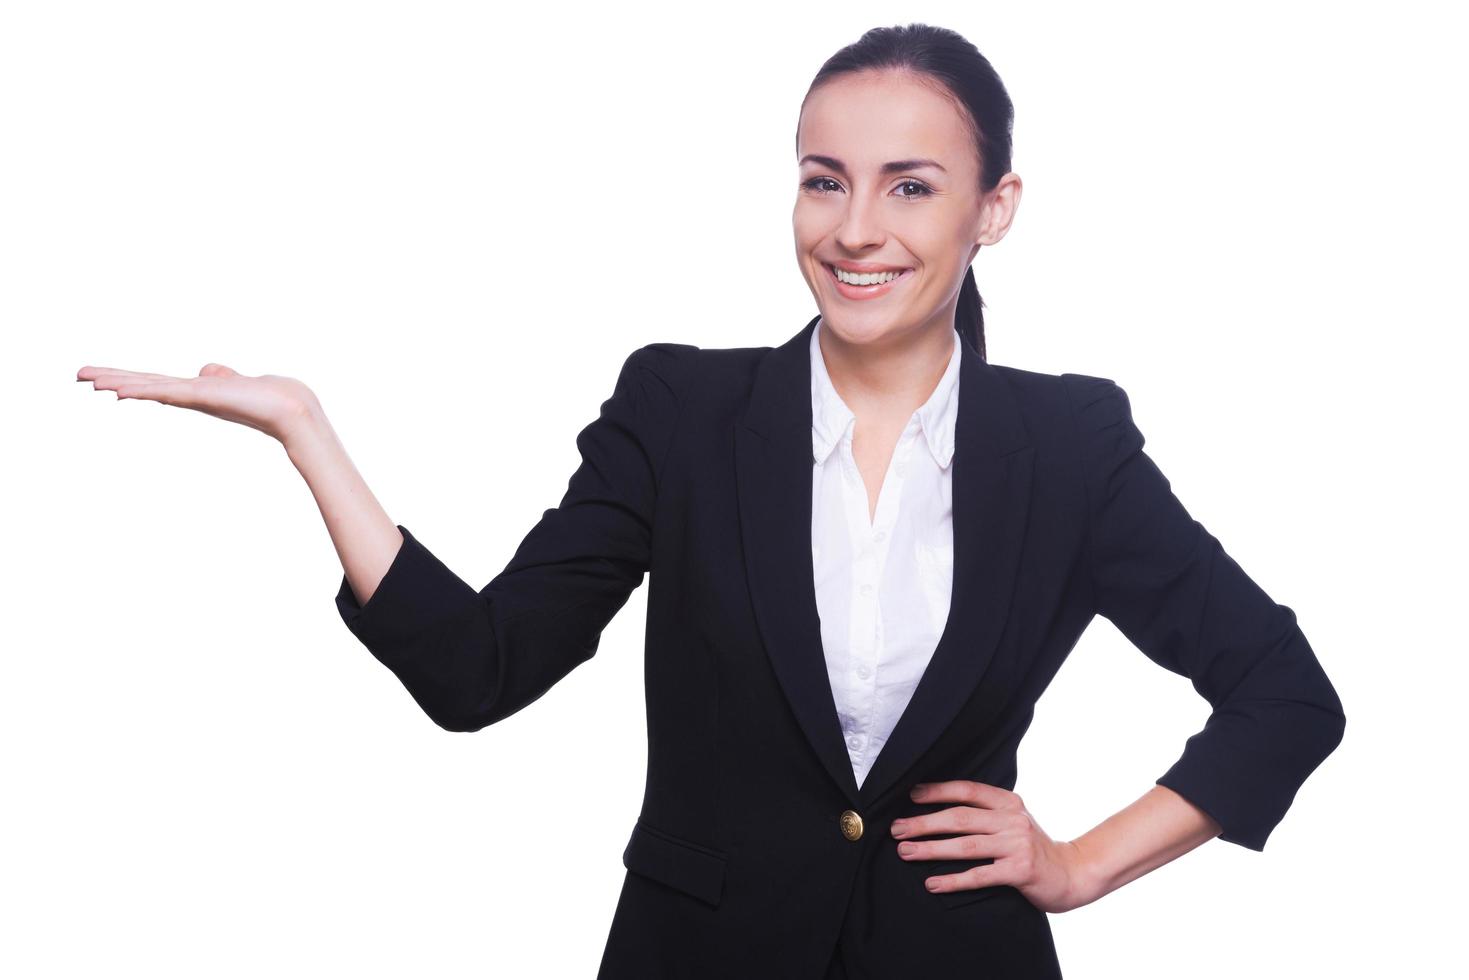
<point>275,405</point>
<point>995,824</point>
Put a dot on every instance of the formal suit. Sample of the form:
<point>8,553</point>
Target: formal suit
<point>755,853</point>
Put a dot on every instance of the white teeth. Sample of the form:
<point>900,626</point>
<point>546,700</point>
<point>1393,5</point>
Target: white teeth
<point>864,278</point>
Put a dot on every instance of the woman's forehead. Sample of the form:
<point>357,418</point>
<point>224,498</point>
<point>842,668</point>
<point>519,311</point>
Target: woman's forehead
<point>866,122</point>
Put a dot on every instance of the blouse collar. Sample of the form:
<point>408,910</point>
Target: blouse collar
<point>832,421</point>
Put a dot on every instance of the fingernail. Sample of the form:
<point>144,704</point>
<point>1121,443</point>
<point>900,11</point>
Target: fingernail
<point>906,848</point>
<point>900,827</point>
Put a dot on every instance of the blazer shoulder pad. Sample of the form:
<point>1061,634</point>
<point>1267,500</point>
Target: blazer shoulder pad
<point>1097,403</point>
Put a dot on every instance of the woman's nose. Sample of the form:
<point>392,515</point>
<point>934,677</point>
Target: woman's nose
<point>860,229</point>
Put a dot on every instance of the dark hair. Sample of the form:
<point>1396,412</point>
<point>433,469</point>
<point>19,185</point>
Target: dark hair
<point>969,79</point>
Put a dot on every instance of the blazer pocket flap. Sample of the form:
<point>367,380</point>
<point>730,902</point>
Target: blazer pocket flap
<point>682,864</point>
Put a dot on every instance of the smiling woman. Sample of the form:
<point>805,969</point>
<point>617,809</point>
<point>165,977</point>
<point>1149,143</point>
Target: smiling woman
<point>870,550</point>
<point>930,173</point>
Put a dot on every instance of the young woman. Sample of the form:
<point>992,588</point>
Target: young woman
<point>870,551</point>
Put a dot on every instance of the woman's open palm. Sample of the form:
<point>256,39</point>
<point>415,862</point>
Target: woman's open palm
<point>269,402</point>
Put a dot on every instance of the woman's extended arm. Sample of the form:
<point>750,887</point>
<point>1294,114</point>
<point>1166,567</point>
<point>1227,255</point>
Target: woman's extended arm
<point>471,657</point>
<point>288,411</point>
<point>468,657</point>
<point>365,537</point>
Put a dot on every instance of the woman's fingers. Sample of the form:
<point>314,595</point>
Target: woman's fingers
<point>96,374</point>
<point>184,393</point>
<point>106,377</point>
<point>980,876</point>
<point>954,820</point>
<point>270,403</point>
<point>981,805</point>
<point>968,847</point>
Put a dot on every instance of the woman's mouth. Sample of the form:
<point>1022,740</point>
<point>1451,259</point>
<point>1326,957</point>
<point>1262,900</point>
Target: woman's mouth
<point>860,285</point>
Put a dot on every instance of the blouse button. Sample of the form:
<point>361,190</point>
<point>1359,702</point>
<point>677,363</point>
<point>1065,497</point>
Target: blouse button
<point>866,590</point>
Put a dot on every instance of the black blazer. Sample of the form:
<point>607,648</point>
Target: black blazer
<point>755,853</point>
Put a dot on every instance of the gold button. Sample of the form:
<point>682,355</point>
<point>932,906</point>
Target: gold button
<point>851,825</point>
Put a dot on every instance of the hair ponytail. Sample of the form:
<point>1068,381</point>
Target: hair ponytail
<point>969,315</point>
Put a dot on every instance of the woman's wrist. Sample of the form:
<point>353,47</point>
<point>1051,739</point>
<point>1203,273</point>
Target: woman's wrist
<point>1159,827</point>
<point>1089,879</point>
<point>307,434</point>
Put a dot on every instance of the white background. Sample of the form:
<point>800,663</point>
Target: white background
<point>455,224</point>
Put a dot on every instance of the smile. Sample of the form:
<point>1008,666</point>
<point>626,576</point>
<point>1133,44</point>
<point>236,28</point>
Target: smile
<point>868,285</point>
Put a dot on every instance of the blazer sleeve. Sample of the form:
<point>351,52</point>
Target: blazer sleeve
<point>471,658</point>
<point>1173,590</point>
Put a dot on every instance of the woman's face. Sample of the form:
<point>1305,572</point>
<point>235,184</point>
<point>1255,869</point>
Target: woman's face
<point>889,181</point>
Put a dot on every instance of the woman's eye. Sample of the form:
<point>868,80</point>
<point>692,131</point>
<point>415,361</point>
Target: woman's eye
<point>825,185</point>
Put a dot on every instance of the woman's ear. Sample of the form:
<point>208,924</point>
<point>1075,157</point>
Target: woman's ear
<point>998,209</point>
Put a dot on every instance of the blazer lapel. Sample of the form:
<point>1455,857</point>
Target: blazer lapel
<point>991,493</point>
<point>992,465</point>
<point>773,464</point>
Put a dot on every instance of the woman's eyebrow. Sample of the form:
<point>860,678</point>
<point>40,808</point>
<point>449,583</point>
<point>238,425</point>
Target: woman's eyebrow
<point>895,166</point>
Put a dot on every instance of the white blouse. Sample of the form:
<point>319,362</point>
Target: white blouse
<point>882,585</point>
